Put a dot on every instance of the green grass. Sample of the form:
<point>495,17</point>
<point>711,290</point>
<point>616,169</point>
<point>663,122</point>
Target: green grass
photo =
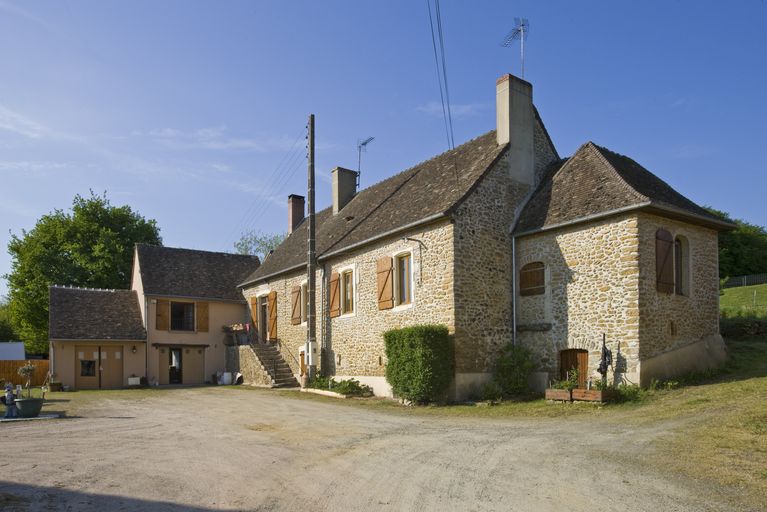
<point>745,301</point>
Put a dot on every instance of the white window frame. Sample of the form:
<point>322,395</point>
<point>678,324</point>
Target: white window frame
<point>341,289</point>
<point>395,268</point>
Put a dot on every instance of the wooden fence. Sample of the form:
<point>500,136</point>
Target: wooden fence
<point>9,371</point>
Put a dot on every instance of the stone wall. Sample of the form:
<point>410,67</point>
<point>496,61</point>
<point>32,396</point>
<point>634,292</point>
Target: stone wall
<point>592,289</point>
<point>671,321</point>
<point>242,359</point>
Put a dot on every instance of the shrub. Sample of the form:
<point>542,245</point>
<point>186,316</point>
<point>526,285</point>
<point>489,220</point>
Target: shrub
<point>351,387</point>
<point>420,365</point>
<point>742,326</point>
<point>512,370</point>
<point>570,383</point>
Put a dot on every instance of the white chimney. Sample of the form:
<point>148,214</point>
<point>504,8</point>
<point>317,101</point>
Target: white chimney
<point>515,125</point>
<point>344,187</point>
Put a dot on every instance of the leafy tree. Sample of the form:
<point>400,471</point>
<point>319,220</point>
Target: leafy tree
<point>90,246</point>
<point>258,244</point>
<point>6,328</point>
<point>742,251</point>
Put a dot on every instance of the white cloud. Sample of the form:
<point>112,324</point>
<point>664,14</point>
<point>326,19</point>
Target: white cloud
<point>16,123</point>
<point>456,109</point>
<point>31,165</point>
<point>22,13</point>
<point>215,138</point>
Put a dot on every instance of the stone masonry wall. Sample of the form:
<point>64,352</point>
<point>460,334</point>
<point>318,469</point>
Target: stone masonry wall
<point>592,289</point>
<point>669,321</point>
<point>242,359</point>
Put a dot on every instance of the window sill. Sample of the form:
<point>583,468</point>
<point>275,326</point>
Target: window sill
<point>402,307</point>
<point>347,315</point>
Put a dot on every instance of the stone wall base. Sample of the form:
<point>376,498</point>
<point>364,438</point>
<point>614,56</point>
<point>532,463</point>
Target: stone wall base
<point>709,352</point>
<point>379,384</point>
<point>243,359</point>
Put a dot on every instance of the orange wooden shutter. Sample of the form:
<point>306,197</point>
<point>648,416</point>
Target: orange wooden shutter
<point>272,305</point>
<point>335,295</point>
<point>532,279</point>
<point>295,305</point>
<point>664,261</point>
<point>254,312</point>
<point>385,275</point>
<point>202,316</point>
<point>162,316</point>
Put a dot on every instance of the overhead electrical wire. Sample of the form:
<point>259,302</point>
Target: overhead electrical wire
<point>441,71</point>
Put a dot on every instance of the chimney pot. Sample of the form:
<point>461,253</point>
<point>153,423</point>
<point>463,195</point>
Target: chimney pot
<point>295,211</point>
<point>344,187</point>
<point>515,125</point>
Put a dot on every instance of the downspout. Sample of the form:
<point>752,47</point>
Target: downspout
<point>146,341</point>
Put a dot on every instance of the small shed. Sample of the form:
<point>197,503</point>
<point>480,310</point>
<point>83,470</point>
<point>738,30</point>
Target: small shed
<point>12,351</point>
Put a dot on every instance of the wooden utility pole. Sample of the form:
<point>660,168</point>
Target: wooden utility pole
<point>311,318</point>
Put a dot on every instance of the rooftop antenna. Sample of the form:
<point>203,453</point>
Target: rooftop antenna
<point>361,146</point>
<point>520,31</point>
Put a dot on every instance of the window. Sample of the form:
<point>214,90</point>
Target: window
<point>182,316</point>
<point>532,279</point>
<point>403,281</point>
<point>664,261</point>
<point>347,292</point>
<point>87,368</point>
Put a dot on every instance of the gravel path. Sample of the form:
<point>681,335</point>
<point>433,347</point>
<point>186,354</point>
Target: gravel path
<point>216,449</point>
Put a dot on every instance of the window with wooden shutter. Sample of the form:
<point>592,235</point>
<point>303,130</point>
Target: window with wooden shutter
<point>347,292</point>
<point>295,305</point>
<point>664,261</point>
<point>404,282</point>
<point>681,265</point>
<point>335,295</point>
<point>532,279</point>
<point>202,317</point>
<point>162,315</point>
<point>384,275</point>
<point>254,312</point>
<point>272,309</point>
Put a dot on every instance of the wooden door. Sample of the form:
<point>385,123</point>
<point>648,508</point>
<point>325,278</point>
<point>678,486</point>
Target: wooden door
<point>302,359</point>
<point>193,366</point>
<point>111,367</point>
<point>87,367</point>
<point>574,358</point>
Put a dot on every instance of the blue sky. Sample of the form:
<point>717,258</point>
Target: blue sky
<point>193,112</point>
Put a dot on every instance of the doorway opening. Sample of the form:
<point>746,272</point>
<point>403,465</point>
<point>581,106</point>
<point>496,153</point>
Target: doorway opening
<point>574,359</point>
<point>174,366</point>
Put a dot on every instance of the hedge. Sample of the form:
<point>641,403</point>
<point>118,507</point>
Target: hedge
<point>420,362</point>
<point>743,327</point>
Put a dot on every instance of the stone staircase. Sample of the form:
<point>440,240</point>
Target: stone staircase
<point>272,361</point>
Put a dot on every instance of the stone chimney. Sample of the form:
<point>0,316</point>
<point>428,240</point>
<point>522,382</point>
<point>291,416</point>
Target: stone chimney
<point>295,211</point>
<point>515,125</point>
<point>344,187</point>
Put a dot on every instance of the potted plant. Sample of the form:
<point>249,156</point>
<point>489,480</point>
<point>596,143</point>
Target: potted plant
<point>28,407</point>
<point>53,383</point>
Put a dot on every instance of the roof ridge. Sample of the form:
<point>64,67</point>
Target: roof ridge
<point>165,247</point>
<point>88,289</point>
<point>615,171</point>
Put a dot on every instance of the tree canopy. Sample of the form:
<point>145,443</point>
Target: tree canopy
<point>258,244</point>
<point>742,251</point>
<point>89,246</point>
<point>7,333</point>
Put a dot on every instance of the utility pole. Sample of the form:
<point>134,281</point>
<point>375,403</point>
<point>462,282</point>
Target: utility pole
<point>311,318</point>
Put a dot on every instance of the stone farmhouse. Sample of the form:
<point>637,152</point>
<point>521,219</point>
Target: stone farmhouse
<point>502,241</point>
<point>499,239</point>
<point>165,328</point>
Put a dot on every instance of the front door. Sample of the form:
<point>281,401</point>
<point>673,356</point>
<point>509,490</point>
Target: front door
<point>263,320</point>
<point>87,367</point>
<point>111,367</point>
<point>174,366</point>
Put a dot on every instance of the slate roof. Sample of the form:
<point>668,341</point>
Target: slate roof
<point>598,181</point>
<point>173,272</point>
<point>94,314</point>
<point>430,189</point>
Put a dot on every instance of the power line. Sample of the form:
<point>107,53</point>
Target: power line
<point>439,78</point>
<point>444,72</point>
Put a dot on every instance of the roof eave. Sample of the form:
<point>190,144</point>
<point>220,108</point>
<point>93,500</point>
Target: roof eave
<point>190,297</point>
<point>581,220</point>
<point>325,256</point>
<point>118,340</point>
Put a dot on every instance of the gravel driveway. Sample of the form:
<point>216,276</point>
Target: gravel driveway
<point>225,449</point>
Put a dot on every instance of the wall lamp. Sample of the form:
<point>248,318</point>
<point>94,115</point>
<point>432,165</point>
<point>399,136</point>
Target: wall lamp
<point>133,349</point>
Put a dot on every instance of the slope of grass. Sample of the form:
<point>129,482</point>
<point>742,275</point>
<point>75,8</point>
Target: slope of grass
<point>744,301</point>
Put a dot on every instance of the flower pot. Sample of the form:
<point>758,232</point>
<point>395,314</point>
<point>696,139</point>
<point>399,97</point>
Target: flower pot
<point>55,386</point>
<point>559,394</point>
<point>29,407</point>
<point>592,395</point>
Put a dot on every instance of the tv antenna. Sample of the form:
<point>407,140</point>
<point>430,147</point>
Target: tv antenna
<point>520,31</point>
<point>361,146</point>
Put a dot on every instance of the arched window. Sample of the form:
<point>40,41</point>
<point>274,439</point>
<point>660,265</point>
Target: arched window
<point>532,279</point>
<point>681,265</point>
<point>664,261</point>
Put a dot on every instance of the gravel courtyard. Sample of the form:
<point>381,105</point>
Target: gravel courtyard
<point>234,449</point>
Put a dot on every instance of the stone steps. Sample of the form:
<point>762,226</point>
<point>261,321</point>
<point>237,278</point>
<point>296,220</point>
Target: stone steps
<point>272,361</point>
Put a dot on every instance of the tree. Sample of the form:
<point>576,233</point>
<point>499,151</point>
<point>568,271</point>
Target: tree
<point>90,246</point>
<point>742,251</point>
<point>6,328</point>
<point>258,244</point>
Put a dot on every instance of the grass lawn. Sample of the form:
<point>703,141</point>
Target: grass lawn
<point>745,300</point>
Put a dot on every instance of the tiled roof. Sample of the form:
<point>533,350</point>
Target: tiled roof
<point>168,271</point>
<point>94,314</point>
<point>597,181</point>
<point>429,189</point>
